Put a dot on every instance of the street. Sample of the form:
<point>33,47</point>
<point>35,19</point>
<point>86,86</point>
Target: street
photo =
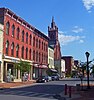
<point>38,91</point>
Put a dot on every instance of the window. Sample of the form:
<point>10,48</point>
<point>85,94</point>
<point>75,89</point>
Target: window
<point>46,47</point>
<point>39,57</point>
<point>17,33</point>
<point>26,53</point>
<point>12,48</point>
<point>42,45</point>
<point>34,41</point>
<point>30,54</point>
<point>30,39</point>
<point>27,38</point>
<point>23,36</point>
<point>7,27</point>
<point>7,47</point>
<point>13,30</point>
<point>34,55</point>
<point>17,50</point>
<point>42,57</point>
<point>23,52</point>
<point>39,44</point>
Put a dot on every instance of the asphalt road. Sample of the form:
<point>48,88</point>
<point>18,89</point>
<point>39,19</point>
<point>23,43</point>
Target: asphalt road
<point>38,91</point>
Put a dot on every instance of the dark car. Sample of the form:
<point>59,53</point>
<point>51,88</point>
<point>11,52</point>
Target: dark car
<point>42,79</point>
<point>55,77</point>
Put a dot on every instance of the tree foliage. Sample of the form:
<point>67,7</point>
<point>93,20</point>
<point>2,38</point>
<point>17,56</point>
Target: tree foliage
<point>23,66</point>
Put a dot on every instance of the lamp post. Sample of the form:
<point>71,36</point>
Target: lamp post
<point>87,56</point>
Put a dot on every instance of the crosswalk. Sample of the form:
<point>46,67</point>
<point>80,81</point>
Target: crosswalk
<point>26,93</point>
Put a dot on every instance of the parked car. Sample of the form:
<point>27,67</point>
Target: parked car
<point>42,79</point>
<point>55,77</point>
<point>48,78</point>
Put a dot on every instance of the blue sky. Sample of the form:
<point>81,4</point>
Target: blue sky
<point>74,18</point>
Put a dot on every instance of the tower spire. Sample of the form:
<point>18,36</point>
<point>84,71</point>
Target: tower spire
<point>52,19</point>
<point>53,23</point>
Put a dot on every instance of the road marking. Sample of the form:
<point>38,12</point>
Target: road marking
<point>27,93</point>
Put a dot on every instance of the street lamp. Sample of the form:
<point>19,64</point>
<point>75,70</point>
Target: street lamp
<point>87,56</point>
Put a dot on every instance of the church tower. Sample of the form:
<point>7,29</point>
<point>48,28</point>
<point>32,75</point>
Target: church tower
<point>53,39</point>
<point>53,33</point>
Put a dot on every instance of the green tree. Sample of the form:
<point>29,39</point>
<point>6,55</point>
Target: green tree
<point>23,66</point>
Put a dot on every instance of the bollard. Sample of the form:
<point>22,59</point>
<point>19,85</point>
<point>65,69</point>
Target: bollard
<point>69,91</point>
<point>65,89</point>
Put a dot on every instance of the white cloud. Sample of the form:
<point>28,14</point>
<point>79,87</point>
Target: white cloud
<point>65,39</point>
<point>88,4</point>
<point>77,29</point>
<point>81,41</point>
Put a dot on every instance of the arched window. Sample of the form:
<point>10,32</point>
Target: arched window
<point>7,47</point>
<point>13,30</point>
<point>30,54</point>
<point>34,55</point>
<point>23,52</point>
<point>12,48</point>
<point>39,44</point>
<point>39,57</point>
<point>17,33</point>
<point>33,41</point>
<point>30,39</point>
<point>26,53</point>
<point>36,43</point>
<point>42,45</point>
<point>17,50</point>
<point>23,36</point>
<point>27,37</point>
<point>42,57</point>
<point>7,27</point>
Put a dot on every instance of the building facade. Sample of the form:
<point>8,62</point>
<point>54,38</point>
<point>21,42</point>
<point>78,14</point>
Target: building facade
<point>63,71</point>
<point>69,64</point>
<point>21,41</point>
<point>51,57</point>
<point>1,50</point>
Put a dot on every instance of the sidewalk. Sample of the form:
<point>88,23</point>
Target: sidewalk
<point>16,84</point>
<point>82,94</point>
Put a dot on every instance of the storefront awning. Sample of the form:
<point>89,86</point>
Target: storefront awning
<point>40,66</point>
<point>53,70</point>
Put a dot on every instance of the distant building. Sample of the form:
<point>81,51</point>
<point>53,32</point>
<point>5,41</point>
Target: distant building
<point>1,51</point>
<point>51,57</point>
<point>69,64</point>
<point>63,71</point>
<point>54,42</point>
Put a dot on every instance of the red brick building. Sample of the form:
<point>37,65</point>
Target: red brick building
<point>69,64</point>
<point>21,41</point>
